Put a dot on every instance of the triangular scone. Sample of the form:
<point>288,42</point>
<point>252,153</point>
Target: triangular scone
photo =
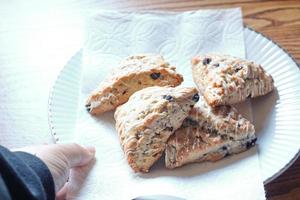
<point>209,134</point>
<point>224,80</point>
<point>133,74</point>
<point>148,119</point>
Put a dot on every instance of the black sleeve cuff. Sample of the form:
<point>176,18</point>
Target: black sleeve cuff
<point>25,177</point>
<point>41,169</point>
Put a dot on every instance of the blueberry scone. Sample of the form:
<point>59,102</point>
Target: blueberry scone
<point>224,80</point>
<point>209,134</point>
<point>133,74</point>
<point>148,119</point>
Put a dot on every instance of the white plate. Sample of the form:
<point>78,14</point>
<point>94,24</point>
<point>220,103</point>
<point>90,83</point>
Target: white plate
<point>278,136</point>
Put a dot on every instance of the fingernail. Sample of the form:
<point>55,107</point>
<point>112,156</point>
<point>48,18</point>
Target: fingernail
<point>91,149</point>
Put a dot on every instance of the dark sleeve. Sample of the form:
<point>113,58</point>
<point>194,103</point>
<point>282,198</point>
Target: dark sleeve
<point>24,176</point>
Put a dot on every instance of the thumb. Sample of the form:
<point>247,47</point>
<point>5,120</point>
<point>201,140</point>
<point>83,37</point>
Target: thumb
<point>60,158</point>
<point>77,155</point>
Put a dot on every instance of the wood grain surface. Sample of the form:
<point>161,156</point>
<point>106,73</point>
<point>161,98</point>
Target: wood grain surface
<point>277,19</point>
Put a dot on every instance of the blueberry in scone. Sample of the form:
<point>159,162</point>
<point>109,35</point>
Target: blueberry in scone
<point>209,134</point>
<point>225,80</point>
<point>148,119</point>
<point>133,74</point>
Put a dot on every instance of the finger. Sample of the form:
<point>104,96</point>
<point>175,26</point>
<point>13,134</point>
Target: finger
<point>77,155</point>
<point>62,193</point>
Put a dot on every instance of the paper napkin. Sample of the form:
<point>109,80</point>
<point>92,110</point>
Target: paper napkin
<point>113,35</point>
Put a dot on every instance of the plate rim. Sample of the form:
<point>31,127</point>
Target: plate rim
<point>296,156</point>
<point>267,181</point>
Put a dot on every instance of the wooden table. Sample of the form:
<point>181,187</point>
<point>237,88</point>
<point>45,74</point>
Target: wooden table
<point>21,58</point>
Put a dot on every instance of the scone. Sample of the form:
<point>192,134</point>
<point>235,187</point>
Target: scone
<point>209,134</point>
<point>133,74</point>
<point>224,80</point>
<point>148,119</point>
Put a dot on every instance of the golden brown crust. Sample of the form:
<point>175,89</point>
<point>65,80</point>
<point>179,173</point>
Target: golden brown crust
<point>148,119</point>
<point>209,134</point>
<point>224,119</point>
<point>224,79</point>
<point>133,74</point>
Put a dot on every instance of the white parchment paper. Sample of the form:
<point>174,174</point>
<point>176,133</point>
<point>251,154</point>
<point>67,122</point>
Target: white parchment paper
<point>113,35</point>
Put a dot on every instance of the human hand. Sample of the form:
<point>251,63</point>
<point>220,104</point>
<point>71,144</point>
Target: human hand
<point>61,159</point>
